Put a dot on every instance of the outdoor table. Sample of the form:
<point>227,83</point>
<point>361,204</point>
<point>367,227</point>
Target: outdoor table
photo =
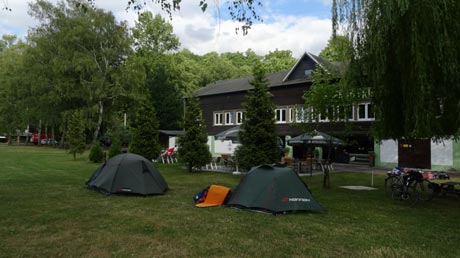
<point>450,188</point>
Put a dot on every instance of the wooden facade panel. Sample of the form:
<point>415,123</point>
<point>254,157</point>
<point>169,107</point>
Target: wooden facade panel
<point>414,153</point>
<point>291,95</point>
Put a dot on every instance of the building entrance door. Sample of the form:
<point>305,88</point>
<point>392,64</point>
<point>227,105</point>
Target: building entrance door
<point>414,153</point>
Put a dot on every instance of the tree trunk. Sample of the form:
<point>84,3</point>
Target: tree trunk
<point>53,138</point>
<point>39,133</point>
<point>99,122</point>
<point>27,136</point>
<point>326,178</point>
<point>46,134</point>
<point>61,143</point>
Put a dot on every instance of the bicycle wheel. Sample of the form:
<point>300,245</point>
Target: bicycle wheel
<point>412,195</point>
<point>396,191</point>
<point>425,190</point>
<point>391,183</point>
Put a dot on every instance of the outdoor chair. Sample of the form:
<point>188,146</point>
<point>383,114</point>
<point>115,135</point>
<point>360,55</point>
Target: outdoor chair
<point>326,164</point>
<point>168,156</point>
<point>228,161</point>
<point>213,163</point>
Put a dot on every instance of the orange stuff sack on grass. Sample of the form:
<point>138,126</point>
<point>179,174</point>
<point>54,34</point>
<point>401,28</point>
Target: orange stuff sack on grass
<point>216,196</point>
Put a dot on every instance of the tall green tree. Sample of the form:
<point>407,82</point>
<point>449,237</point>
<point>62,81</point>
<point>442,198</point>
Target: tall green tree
<point>408,53</point>
<point>193,149</point>
<point>83,52</point>
<point>278,60</point>
<point>338,49</point>
<point>13,113</point>
<point>259,142</point>
<point>76,134</point>
<point>144,131</point>
<point>154,43</point>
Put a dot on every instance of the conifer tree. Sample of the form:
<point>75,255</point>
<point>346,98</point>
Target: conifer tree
<point>258,132</point>
<point>96,154</point>
<point>115,147</point>
<point>76,134</point>
<point>144,129</point>
<point>192,146</point>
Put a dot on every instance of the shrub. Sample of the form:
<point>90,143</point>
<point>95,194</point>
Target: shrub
<point>115,147</point>
<point>96,153</point>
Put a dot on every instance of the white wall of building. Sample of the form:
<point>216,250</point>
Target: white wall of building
<point>224,147</point>
<point>172,141</point>
<point>389,151</point>
<point>441,153</point>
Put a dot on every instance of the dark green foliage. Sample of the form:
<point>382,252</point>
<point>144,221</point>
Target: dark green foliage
<point>338,49</point>
<point>409,53</point>
<point>193,149</point>
<point>76,134</point>
<point>115,147</point>
<point>167,99</point>
<point>144,132</point>
<point>259,144</point>
<point>96,154</point>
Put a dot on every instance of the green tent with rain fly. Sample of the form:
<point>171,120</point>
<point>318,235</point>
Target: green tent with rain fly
<point>273,189</point>
<point>127,173</point>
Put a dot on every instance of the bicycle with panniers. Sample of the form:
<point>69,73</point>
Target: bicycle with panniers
<point>412,187</point>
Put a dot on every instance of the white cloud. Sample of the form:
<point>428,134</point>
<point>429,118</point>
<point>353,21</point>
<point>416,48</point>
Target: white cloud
<point>205,32</point>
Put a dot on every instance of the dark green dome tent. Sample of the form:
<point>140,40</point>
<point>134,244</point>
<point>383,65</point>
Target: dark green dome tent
<point>127,173</point>
<point>273,189</point>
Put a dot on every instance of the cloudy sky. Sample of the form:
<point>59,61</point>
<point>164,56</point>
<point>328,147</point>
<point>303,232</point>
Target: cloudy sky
<point>296,25</point>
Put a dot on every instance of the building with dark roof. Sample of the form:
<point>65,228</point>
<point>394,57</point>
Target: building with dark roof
<point>221,105</point>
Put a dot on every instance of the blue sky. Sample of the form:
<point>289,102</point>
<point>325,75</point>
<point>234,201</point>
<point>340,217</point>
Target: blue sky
<point>298,26</point>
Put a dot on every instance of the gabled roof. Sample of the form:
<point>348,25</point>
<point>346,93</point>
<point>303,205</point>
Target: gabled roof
<point>294,76</point>
<point>324,64</point>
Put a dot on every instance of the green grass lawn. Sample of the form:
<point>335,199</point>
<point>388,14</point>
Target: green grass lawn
<point>46,211</point>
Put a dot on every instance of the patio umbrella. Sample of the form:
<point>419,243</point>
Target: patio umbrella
<point>229,134</point>
<point>315,138</point>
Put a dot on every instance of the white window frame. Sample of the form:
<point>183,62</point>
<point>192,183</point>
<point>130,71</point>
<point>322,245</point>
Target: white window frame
<point>229,118</point>
<point>291,115</point>
<point>366,117</point>
<point>300,115</point>
<point>281,113</point>
<point>325,119</point>
<point>218,117</point>
<point>311,115</point>
<point>352,118</point>
<point>239,117</point>
<point>345,109</point>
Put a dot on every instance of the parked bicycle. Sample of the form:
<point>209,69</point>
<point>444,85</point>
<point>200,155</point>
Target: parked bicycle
<point>393,180</point>
<point>412,188</point>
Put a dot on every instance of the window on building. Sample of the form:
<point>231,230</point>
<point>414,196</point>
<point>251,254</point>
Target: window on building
<point>300,115</point>
<point>370,111</point>
<point>229,120</point>
<point>308,72</point>
<point>308,115</point>
<point>325,117</point>
<point>291,115</point>
<point>365,112</point>
<point>350,113</point>
<point>345,113</point>
<point>218,118</point>
<point>280,115</point>
<point>239,117</point>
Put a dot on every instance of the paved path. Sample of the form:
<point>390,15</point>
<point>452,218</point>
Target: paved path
<point>338,167</point>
